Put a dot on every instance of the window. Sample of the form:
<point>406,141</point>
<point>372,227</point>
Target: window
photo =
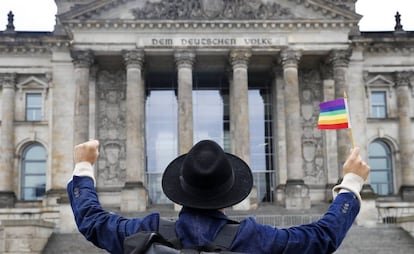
<point>33,106</point>
<point>380,161</point>
<point>378,104</point>
<point>33,182</point>
<point>161,135</point>
<point>261,141</point>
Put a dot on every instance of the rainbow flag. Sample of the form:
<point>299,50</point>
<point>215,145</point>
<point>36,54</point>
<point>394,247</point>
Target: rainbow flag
<point>334,115</point>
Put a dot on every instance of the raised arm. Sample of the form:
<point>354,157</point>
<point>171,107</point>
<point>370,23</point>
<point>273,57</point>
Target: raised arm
<point>104,229</point>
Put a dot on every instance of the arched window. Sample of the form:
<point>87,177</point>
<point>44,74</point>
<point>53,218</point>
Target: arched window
<point>380,161</point>
<point>33,181</point>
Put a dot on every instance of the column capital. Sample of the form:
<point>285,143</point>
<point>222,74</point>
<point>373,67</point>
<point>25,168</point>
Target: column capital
<point>8,80</point>
<point>402,78</point>
<point>184,58</point>
<point>290,57</point>
<point>240,57</point>
<point>133,58</point>
<point>339,58</point>
<point>82,58</point>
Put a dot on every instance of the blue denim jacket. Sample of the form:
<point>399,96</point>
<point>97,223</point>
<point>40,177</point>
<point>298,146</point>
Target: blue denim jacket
<point>194,227</point>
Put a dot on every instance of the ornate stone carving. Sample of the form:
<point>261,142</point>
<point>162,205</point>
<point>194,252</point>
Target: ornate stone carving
<point>240,57</point>
<point>402,78</point>
<point>82,59</point>
<point>8,80</point>
<point>346,4</point>
<point>208,9</point>
<point>312,140</point>
<point>133,58</point>
<point>290,57</point>
<point>339,58</point>
<point>111,128</point>
<point>184,58</point>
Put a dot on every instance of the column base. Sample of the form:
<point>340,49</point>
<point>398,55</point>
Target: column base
<point>55,197</point>
<point>134,197</point>
<point>7,199</point>
<point>407,193</point>
<point>297,195</point>
<point>249,203</point>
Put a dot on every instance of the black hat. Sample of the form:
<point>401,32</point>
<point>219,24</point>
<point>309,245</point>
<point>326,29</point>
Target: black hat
<point>207,178</point>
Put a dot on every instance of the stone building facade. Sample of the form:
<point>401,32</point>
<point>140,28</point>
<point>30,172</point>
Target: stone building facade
<point>149,78</point>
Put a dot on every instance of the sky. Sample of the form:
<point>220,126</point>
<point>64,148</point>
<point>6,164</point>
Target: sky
<point>39,15</point>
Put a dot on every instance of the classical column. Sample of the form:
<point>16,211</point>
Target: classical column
<point>279,127</point>
<point>82,61</point>
<point>134,194</point>
<point>185,61</point>
<point>405,134</point>
<point>296,192</point>
<point>339,59</point>
<point>239,113</point>
<point>239,105</point>
<point>7,196</point>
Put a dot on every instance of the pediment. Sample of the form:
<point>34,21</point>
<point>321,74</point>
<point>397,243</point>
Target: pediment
<point>212,10</point>
<point>32,83</point>
<point>380,81</point>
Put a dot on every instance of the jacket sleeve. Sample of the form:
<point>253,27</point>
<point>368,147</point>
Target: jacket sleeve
<point>326,234</point>
<point>319,237</point>
<point>104,229</point>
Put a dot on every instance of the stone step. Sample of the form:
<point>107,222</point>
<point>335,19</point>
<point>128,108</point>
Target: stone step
<point>70,244</point>
<point>381,239</point>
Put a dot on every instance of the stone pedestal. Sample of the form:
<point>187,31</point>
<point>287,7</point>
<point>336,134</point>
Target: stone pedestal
<point>297,195</point>
<point>407,193</point>
<point>134,197</point>
<point>25,236</point>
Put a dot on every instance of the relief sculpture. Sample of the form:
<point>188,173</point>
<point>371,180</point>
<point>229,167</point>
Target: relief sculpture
<point>111,112</point>
<point>209,9</point>
<point>312,140</point>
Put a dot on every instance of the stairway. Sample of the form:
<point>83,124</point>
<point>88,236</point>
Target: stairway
<point>70,244</point>
<point>381,239</point>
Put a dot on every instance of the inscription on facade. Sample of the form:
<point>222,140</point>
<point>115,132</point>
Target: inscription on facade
<point>213,42</point>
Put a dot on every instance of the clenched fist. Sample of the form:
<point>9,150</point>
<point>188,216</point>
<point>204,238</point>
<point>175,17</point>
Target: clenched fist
<point>354,164</point>
<point>87,151</point>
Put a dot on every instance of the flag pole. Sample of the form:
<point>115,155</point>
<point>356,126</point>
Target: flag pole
<point>351,135</point>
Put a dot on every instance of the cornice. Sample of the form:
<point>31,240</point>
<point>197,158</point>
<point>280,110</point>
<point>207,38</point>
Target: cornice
<point>31,42</point>
<point>208,25</point>
<point>387,43</point>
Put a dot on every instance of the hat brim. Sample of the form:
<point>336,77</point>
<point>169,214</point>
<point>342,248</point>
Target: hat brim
<point>240,190</point>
